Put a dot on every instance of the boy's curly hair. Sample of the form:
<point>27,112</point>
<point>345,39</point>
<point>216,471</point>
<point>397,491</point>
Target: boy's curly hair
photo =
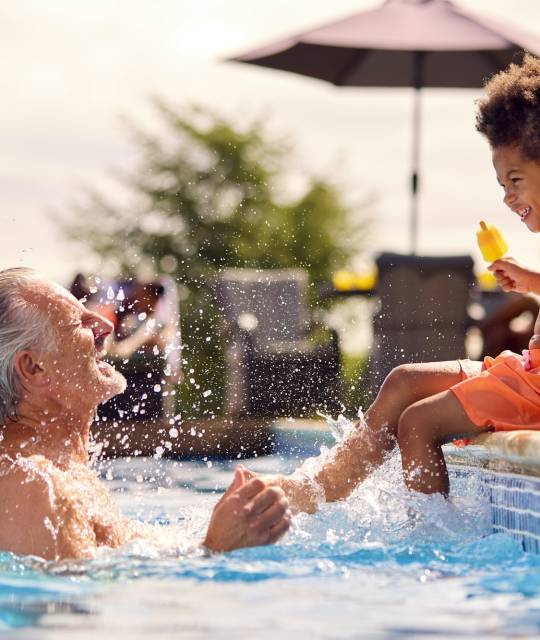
<point>510,113</point>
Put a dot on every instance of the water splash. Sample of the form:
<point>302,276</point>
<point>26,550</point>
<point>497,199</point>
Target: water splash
<point>379,551</point>
<point>342,426</point>
<point>382,511</point>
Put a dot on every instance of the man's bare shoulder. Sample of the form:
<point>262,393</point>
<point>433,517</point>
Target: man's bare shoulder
<point>27,506</point>
<point>31,464</point>
<point>55,512</point>
<point>20,474</point>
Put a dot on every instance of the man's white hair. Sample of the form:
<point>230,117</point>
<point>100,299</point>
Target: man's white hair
<point>22,326</point>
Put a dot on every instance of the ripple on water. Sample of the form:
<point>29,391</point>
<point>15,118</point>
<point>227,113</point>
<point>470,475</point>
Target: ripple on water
<point>378,550</point>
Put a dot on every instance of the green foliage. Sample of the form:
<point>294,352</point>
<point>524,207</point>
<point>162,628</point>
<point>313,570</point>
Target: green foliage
<point>356,391</point>
<point>206,197</point>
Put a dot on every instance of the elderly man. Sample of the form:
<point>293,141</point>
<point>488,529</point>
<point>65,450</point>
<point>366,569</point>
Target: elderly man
<point>52,378</point>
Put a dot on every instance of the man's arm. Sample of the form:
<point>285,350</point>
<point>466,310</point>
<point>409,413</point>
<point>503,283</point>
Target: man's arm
<point>249,514</point>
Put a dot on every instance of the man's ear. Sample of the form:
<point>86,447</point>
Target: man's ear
<point>30,369</point>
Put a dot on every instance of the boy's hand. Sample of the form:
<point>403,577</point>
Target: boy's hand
<point>252,512</point>
<point>511,276</point>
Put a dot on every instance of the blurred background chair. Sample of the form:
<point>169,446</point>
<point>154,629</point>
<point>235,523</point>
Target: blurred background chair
<point>422,312</point>
<point>277,362</point>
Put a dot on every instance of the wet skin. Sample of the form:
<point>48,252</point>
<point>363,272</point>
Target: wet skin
<point>51,501</point>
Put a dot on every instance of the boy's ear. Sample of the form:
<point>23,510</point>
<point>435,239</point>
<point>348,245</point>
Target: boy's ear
<point>30,369</point>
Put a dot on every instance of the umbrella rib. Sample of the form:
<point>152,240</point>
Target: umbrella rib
<point>354,61</point>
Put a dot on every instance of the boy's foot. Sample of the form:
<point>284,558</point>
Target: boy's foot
<point>302,492</point>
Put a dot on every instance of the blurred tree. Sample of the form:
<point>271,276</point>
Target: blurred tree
<point>206,198</point>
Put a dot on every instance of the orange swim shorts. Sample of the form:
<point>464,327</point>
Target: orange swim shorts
<point>505,395</point>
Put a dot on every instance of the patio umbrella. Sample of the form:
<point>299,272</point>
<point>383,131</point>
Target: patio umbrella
<point>402,43</point>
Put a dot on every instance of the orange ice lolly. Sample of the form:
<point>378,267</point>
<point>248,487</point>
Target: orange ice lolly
<point>491,242</point>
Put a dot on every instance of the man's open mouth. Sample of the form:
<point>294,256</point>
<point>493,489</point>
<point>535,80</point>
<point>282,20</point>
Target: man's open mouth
<point>101,364</point>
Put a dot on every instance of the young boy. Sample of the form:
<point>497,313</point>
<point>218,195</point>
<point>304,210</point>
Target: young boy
<point>422,406</point>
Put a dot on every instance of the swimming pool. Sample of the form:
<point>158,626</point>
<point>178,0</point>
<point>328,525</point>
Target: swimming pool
<point>384,563</point>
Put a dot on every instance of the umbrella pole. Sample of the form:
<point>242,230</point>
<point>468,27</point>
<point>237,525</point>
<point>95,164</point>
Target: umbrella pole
<point>414,174</point>
<point>413,232</point>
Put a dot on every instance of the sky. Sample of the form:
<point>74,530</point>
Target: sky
<point>75,73</point>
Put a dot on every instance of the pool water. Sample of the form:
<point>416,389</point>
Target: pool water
<point>383,564</point>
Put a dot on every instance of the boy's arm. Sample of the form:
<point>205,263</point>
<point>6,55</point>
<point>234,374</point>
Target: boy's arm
<point>534,342</point>
<point>513,276</point>
<point>347,463</point>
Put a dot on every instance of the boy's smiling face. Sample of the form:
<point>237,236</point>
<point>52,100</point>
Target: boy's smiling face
<point>520,179</point>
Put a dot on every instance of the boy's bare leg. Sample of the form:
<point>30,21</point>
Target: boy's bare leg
<point>365,448</point>
<point>423,428</point>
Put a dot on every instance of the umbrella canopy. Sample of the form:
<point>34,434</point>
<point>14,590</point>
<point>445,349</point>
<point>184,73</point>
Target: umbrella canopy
<point>402,43</point>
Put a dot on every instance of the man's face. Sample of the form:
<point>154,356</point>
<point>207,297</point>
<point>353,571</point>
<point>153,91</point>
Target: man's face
<point>520,179</point>
<point>79,378</point>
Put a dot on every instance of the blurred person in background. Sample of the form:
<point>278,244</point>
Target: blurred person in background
<point>144,346</point>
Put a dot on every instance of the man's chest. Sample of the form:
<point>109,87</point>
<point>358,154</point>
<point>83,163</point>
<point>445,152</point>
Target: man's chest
<point>87,511</point>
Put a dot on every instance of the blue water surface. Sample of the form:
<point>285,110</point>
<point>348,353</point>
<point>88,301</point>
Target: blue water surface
<point>383,564</point>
